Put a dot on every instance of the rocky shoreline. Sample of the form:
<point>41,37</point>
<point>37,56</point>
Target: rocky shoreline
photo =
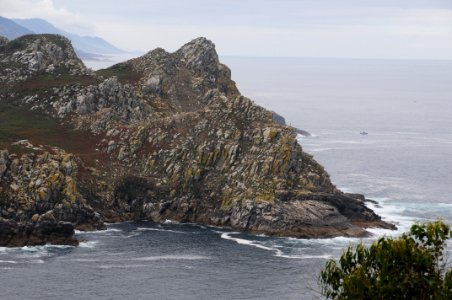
<point>163,136</point>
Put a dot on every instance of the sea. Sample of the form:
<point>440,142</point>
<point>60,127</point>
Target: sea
<point>382,128</point>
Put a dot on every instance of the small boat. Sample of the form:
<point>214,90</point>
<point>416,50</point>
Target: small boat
<point>363,133</point>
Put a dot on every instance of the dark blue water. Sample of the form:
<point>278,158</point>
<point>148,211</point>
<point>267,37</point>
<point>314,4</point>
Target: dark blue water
<point>405,162</point>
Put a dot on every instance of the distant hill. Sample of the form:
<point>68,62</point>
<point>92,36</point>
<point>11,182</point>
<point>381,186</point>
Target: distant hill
<point>12,30</point>
<point>87,47</point>
<point>85,43</point>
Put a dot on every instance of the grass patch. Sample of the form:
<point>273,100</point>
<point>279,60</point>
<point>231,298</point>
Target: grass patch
<point>123,71</point>
<point>19,123</point>
<point>46,81</point>
<point>16,122</point>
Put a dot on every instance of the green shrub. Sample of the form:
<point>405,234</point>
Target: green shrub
<point>411,266</point>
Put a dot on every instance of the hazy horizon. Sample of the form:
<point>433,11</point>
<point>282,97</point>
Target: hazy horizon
<point>416,29</point>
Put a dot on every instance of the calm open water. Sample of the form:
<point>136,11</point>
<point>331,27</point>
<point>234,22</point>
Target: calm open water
<point>405,163</point>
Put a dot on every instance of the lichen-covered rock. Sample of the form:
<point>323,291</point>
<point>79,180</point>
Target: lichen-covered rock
<point>174,140</point>
<point>42,187</point>
<point>105,106</point>
<point>33,54</point>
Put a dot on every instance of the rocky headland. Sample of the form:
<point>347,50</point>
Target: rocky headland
<point>163,136</point>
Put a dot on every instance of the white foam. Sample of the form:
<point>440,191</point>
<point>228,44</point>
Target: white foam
<point>171,257</point>
<point>99,231</point>
<point>158,229</point>
<point>43,248</point>
<point>393,214</point>
<point>88,244</point>
<point>170,222</point>
<point>58,246</point>
<point>279,253</point>
<point>122,266</point>
<point>325,256</point>
<point>131,235</point>
<point>8,262</point>
<point>227,236</point>
<point>32,248</point>
<point>262,235</point>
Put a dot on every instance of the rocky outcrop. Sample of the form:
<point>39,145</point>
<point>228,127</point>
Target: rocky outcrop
<point>32,54</point>
<point>282,121</point>
<point>39,198</point>
<point>174,140</point>
<point>3,40</point>
<point>104,106</point>
<point>19,234</point>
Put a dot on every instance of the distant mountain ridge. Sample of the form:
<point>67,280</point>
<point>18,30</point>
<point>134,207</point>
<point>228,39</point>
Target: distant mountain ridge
<point>88,47</point>
<point>11,29</point>
<point>85,43</point>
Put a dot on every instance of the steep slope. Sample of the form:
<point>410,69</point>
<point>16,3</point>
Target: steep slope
<point>162,136</point>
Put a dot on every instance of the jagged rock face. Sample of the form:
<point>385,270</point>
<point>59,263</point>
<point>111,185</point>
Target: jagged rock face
<point>104,106</point>
<point>236,168</point>
<point>187,78</point>
<point>3,40</point>
<point>31,54</point>
<point>176,140</point>
<point>43,184</point>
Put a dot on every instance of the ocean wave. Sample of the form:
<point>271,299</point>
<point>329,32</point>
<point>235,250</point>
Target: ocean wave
<point>322,149</point>
<point>31,252</point>
<point>32,261</point>
<point>44,247</point>
<point>36,261</point>
<point>158,229</point>
<point>171,257</point>
<point>227,236</point>
<point>88,244</point>
<point>131,235</point>
<point>324,256</point>
<point>280,243</point>
<point>84,260</point>
<point>117,266</point>
<point>99,231</point>
<point>170,222</point>
<point>8,262</point>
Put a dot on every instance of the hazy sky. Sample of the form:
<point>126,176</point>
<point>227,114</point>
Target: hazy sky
<point>297,28</point>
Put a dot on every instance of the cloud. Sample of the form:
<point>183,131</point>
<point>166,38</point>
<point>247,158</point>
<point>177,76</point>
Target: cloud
<point>321,28</point>
<point>47,10</point>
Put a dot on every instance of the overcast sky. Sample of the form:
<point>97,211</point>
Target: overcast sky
<point>295,28</point>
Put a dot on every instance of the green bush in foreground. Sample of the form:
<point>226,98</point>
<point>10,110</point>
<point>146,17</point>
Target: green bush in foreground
<point>408,267</point>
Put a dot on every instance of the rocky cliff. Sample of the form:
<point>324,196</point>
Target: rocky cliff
<point>162,136</point>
